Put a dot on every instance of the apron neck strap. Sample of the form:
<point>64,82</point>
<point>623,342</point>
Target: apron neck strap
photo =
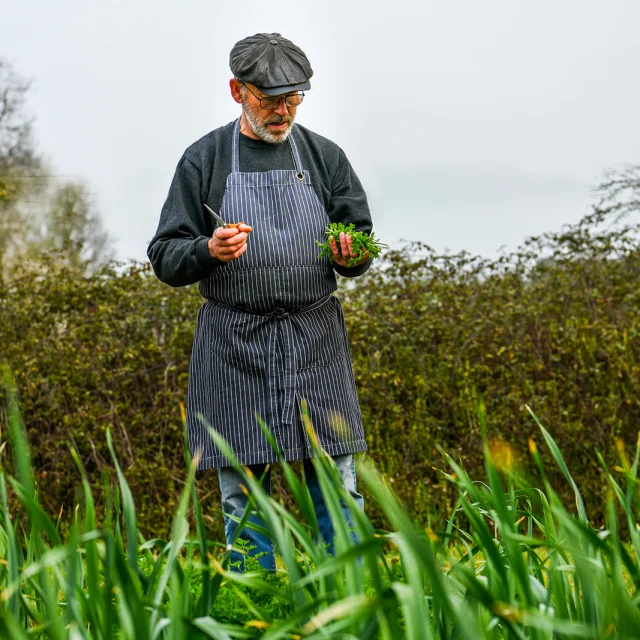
<point>235,156</point>
<point>235,150</point>
<point>294,152</point>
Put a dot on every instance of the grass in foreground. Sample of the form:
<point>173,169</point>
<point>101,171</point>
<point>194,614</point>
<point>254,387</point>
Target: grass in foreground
<point>513,562</point>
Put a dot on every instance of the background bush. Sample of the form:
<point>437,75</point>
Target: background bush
<point>554,325</point>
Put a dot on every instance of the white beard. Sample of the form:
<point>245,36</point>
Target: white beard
<point>261,129</point>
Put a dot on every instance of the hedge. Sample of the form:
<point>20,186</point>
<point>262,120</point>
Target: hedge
<point>554,325</point>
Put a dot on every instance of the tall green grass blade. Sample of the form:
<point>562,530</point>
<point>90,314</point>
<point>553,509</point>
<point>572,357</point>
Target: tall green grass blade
<point>281,536</point>
<point>218,631</point>
<point>130,598</point>
<point>37,515</point>
<point>411,597</point>
<point>206,599</point>
<point>22,456</point>
<point>71,580</point>
<point>93,602</point>
<point>179,531</point>
<point>557,456</point>
<point>9,572</point>
<point>10,628</point>
<point>130,521</point>
<point>422,552</point>
<point>485,538</point>
<point>298,489</point>
<point>336,500</point>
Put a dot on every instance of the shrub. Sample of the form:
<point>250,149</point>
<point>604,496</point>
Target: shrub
<point>554,325</point>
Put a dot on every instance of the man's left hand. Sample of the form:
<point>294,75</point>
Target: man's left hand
<point>342,252</point>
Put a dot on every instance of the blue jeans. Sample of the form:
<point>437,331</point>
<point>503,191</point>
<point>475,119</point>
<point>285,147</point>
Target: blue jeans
<point>234,502</point>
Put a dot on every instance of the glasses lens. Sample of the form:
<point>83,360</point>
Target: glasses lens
<point>269,103</point>
<point>294,101</point>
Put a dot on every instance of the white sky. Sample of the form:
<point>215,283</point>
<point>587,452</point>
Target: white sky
<point>471,124</point>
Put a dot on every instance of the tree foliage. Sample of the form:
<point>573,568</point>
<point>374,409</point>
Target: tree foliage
<point>73,229</point>
<point>17,148</point>
<point>37,213</point>
<point>18,157</point>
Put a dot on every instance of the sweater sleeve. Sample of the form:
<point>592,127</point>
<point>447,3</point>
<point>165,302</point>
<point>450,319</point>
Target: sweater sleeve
<point>179,252</point>
<point>349,205</point>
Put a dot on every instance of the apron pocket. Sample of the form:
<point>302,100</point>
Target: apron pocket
<point>318,336</point>
<point>237,338</point>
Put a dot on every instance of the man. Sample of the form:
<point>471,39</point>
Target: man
<point>269,334</point>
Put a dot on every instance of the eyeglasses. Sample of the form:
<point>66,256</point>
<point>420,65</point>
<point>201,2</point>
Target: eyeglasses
<point>269,103</point>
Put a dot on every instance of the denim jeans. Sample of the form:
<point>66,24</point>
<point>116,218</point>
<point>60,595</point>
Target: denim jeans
<point>234,502</point>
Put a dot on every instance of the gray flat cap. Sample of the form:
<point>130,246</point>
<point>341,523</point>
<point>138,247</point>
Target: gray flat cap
<point>271,63</point>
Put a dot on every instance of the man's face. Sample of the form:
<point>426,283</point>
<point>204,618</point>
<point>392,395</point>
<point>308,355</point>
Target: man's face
<point>271,126</point>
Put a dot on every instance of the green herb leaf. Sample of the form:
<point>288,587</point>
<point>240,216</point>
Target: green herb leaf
<point>365,246</point>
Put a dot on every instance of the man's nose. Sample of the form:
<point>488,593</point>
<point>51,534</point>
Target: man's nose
<point>282,109</point>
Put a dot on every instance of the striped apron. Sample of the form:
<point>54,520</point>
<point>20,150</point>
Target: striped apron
<point>270,333</point>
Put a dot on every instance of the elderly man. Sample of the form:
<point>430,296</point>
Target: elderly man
<point>270,334</point>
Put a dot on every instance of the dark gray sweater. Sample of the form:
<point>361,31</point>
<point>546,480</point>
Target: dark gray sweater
<point>179,250</point>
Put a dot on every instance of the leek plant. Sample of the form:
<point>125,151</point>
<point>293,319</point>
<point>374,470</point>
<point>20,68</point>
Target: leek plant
<point>513,561</point>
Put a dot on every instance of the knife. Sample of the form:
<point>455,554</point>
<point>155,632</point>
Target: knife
<point>216,217</point>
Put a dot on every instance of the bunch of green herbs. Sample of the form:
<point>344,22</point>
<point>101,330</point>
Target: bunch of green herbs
<point>364,246</point>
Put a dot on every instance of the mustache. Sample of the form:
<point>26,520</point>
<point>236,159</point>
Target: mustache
<point>276,119</point>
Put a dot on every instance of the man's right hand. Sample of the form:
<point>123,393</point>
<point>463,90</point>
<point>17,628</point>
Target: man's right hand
<point>229,244</point>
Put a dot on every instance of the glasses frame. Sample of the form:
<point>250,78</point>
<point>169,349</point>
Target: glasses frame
<point>299,94</point>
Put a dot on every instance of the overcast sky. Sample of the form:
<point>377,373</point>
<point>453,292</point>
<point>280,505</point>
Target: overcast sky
<point>471,124</point>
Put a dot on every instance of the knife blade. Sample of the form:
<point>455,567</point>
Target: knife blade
<point>216,217</point>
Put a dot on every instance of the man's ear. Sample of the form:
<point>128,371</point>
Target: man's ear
<point>236,90</point>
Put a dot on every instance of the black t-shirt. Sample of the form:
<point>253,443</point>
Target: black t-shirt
<point>179,253</point>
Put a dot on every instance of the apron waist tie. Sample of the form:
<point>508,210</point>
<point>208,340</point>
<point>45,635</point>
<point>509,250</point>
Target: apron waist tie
<point>278,312</point>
